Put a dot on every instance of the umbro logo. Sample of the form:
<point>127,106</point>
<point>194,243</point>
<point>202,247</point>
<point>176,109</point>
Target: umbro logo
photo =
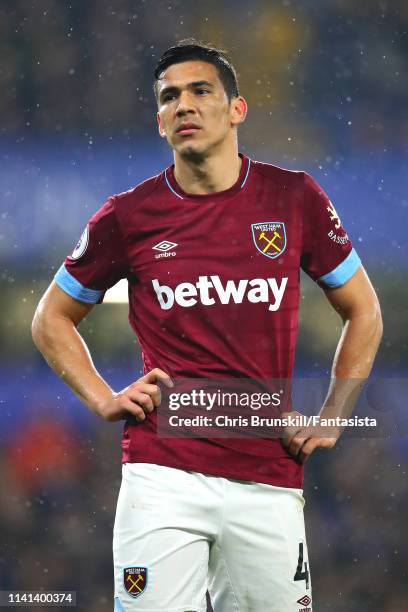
<point>164,247</point>
<point>305,601</point>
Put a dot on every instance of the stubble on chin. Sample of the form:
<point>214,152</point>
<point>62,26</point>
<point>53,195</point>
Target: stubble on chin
<point>193,154</point>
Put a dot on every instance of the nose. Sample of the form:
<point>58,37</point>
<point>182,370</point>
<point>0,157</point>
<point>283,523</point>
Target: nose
<point>185,104</point>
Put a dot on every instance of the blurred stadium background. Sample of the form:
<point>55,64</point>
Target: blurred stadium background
<point>326,82</point>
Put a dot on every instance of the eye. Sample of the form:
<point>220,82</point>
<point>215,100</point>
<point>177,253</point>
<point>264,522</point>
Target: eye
<point>168,97</point>
<point>202,91</point>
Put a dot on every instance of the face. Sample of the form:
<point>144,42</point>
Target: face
<point>194,113</point>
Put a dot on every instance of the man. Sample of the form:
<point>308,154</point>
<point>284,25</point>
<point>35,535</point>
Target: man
<point>223,514</point>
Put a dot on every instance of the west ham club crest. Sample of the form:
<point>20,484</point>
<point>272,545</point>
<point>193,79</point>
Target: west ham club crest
<point>269,238</point>
<point>135,580</point>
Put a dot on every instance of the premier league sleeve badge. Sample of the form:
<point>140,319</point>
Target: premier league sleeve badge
<point>81,245</point>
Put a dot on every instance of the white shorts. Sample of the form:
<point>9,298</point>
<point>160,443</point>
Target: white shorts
<point>180,533</point>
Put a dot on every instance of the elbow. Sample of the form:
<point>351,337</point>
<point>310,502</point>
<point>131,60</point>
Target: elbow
<point>40,326</point>
<point>374,322</point>
<point>37,329</point>
<point>376,316</point>
<point>368,316</point>
<point>378,322</point>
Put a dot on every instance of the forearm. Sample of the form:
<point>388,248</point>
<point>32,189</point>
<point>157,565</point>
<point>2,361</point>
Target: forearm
<point>352,363</point>
<point>357,304</point>
<point>67,354</point>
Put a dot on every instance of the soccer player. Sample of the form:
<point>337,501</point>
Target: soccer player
<point>212,249</point>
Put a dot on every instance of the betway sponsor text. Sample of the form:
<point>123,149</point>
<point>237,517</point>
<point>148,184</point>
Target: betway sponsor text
<point>210,290</point>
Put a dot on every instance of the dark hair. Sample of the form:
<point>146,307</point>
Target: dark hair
<point>191,49</point>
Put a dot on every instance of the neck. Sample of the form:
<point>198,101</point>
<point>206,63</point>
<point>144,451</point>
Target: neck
<point>217,172</point>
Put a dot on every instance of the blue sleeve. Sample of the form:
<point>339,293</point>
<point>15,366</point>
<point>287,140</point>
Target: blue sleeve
<point>70,285</point>
<point>343,272</point>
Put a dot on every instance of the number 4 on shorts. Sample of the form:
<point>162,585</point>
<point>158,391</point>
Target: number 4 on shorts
<point>301,575</point>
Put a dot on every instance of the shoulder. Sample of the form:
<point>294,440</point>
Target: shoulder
<point>132,203</point>
<point>298,182</point>
<point>118,206</point>
<point>279,175</point>
<point>140,192</point>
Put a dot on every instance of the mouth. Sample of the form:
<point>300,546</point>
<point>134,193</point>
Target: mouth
<point>187,129</point>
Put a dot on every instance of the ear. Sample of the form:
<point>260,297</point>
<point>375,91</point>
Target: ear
<point>238,110</point>
<point>162,131</point>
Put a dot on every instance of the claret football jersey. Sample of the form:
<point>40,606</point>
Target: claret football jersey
<point>213,293</point>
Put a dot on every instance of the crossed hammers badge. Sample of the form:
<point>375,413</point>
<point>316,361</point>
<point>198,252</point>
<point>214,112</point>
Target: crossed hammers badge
<point>269,238</point>
<point>135,580</point>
